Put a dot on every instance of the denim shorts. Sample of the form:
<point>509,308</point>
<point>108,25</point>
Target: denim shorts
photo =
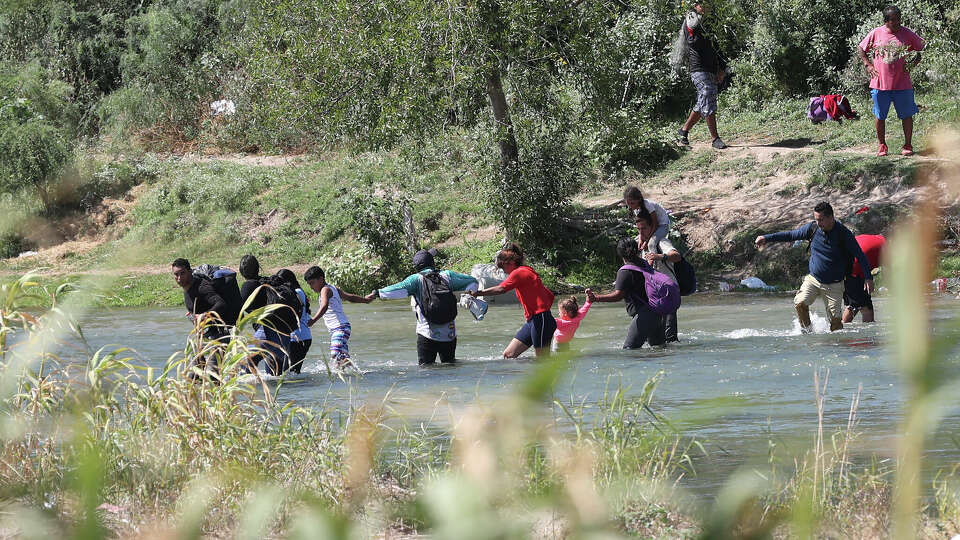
<point>902,101</point>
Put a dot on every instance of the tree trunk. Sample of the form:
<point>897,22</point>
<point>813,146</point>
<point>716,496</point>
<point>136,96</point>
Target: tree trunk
<point>509,154</point>
<point>492,27</point>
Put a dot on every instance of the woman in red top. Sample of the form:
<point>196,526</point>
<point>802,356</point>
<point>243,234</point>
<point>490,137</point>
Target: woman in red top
<point>537,302</point>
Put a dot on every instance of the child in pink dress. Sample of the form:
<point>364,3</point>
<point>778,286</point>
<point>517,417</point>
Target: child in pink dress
<point>568,322</point>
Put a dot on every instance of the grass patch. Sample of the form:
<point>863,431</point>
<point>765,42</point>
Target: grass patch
<point>844,173</point>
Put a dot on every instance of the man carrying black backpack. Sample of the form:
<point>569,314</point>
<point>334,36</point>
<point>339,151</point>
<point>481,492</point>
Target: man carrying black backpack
<point>209,296</point>
<point>274,333</point>
<point>436,306</point>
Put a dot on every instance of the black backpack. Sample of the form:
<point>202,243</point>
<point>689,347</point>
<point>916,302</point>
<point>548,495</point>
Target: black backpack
<point>276,291</point>
<point>686,275</point>
<point>438,304</point>
<point>225,283</point>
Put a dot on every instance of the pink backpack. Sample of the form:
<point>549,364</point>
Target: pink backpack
<point>663,295</point>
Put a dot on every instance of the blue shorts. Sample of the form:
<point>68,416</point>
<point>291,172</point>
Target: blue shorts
<point>538,332</point>
<point>902,101</point>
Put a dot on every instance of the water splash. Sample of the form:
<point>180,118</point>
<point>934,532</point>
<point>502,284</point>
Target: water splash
<point>819,325</point>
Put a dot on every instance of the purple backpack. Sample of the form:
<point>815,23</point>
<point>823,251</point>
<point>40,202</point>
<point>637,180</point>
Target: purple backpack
<point>663,295</point>
<point>816,112</point>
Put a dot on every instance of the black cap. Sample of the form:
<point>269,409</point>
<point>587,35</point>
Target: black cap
<point>423,259</point>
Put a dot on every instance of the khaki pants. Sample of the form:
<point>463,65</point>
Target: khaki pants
<point>832,294</point>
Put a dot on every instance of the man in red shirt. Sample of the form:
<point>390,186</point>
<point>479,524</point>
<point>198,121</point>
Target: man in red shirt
<point>855,298</point>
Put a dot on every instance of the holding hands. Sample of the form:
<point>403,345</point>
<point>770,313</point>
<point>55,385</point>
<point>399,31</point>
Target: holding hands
<point>591,296</point>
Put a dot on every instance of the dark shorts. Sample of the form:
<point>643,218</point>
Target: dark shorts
<point>538,332</point>
<point>298,351</point>
<point>428,349</point>
<point>854,296</point>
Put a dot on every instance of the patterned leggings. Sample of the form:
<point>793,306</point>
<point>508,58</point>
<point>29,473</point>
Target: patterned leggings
<point>338,342</point>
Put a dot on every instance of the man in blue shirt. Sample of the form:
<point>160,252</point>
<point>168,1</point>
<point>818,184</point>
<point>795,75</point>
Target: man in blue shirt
<point>832,251</point>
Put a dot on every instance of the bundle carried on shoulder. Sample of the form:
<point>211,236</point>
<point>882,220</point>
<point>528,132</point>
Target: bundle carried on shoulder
<point>224,281</point>
<point>680,52</point>
<point>663,295</point>
<point>276,291</point>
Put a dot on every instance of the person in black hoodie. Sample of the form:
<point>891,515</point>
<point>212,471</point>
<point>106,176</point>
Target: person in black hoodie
<point>275,344</point>
<point>707,70</point>
<point>202,300</point>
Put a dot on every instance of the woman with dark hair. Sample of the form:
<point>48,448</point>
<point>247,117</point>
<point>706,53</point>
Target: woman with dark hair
<point>630,287</point>
<point>537,302</point>
<point>301,338</point>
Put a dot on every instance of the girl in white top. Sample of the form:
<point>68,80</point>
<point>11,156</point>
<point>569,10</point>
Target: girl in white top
<point>331,309</point>
<point>633,198</point>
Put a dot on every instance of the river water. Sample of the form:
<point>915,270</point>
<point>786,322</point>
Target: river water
<point>746,348</point>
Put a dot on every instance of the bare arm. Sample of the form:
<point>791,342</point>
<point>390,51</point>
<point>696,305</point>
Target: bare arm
<point>355,298</point>
<point>673,256</point>
<point>867,63</point>
<point>489,291</point>
<point>614,296</point>
<point>324,304</point>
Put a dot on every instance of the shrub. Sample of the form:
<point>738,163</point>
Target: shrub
<point>351,270</point>
<point>379,224</point>
<point>171,68</point>
<point>795,48</point>
<point>530,198</point>
<point>11,244</point>
<point>32,156</point>
<point>628,139</point>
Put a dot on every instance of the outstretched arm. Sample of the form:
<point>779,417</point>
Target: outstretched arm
<point>355,298</point>
<point>801,233</point>
<point>614,296</point>
<point>489,291</point>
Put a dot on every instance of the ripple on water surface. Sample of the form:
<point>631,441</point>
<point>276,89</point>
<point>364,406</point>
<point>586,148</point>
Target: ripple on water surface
<point>747,348</point>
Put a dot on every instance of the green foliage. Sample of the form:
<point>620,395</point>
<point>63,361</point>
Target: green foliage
<point>32,156</point>
<point>351,270</point>
<point>11,244</point>
<point>97,181</point>
<point>530,199</point>
<point>80,42</point>
<point>627,139</point>
<point>795,48</point>
<point>202,190</point>
<point>172,66</point>
<point>379,224</point>
<point>844,173</point>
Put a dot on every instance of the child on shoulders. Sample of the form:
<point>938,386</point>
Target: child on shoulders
<point>633,198</point>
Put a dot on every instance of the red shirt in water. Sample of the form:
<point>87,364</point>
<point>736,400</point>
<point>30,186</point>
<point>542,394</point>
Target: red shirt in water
<point>533,296</point>
<point>872,246</point>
